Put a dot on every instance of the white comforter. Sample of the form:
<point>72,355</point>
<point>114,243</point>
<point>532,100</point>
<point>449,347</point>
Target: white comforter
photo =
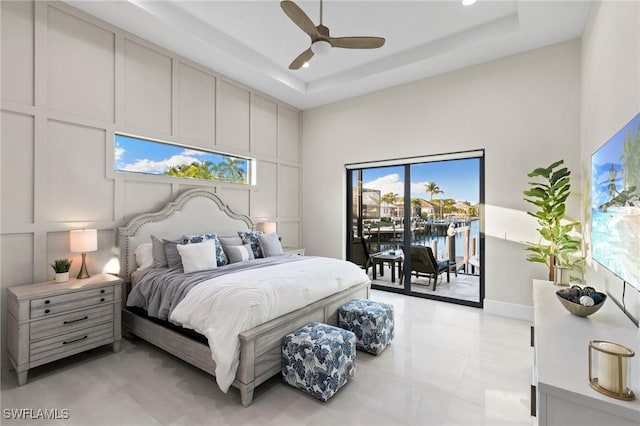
<point>223,307</point>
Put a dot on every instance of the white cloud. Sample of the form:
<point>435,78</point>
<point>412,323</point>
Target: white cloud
<point>119,151</point>
<point>193,152</point>
<point>386,184</point>
<point>392,183</point>
<point>147,166</point>
<point>417,188</point>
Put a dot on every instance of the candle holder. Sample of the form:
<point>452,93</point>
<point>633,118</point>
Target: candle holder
<point>609,371</point>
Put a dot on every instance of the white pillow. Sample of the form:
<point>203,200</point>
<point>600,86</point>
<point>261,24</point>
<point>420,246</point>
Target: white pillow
<point>144,256</point>
<point>198,256</point>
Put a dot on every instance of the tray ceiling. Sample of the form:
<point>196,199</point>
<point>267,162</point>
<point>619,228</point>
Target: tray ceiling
<point>253,42</point>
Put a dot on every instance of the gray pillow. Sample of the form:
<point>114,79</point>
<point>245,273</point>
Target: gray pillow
<point>173,255</point>
<point>230,241</point>
<point>270,245</point>
<point>240,253</point>
<point>157,249</point>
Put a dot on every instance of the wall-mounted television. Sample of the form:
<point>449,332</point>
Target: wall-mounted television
<point>615,203</point>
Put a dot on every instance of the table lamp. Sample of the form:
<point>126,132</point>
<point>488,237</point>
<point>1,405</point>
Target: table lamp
<point>83,241</point>
<point>266,227</point>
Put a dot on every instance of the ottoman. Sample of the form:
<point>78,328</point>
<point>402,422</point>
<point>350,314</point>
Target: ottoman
<point>318,359</point>
<point>371,322</point>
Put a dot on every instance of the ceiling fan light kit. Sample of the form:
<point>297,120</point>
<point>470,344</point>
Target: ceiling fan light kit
<point>321,41</point>
<point>321,47</point>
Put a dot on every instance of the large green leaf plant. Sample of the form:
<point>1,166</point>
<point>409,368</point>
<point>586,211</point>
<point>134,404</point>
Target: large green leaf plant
<point>549,194</point>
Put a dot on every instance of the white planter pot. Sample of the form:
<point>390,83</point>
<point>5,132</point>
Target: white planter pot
<point>562,276</point>
<point>62,277</point>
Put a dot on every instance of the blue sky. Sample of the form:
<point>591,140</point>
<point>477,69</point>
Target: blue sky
<point>609,153</point>
<point>459,179</point>
<point>143,156</point>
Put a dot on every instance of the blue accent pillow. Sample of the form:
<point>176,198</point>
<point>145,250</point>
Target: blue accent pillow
<point>221,258</point>
<point>251,237</point>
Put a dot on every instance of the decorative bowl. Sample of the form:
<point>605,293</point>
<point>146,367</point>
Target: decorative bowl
<point>579,309</point>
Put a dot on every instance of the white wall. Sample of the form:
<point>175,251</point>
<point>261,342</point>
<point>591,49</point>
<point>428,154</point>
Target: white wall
<point>610,98</point>
<point>69,82</point>
<point>523,110</point>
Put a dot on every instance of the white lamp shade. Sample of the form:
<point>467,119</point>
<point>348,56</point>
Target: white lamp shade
<point>320,47</point>
<point>266,227</point>
<point>83,240</point>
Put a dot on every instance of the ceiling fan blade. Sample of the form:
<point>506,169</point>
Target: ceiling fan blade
<point>357,42</point>
<point>301,59</point>
<point>299,18</point>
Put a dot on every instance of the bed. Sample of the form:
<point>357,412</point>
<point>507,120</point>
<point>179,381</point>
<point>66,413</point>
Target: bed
<point>201,211</point>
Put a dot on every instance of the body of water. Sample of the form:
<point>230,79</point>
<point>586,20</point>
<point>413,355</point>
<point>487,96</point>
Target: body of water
<point>426,240</point>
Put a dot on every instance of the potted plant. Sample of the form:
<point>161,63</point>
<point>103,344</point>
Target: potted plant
<point>549,196</point>
<point>61,267</point>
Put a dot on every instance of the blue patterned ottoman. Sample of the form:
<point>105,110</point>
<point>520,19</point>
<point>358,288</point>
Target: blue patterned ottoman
<point>318,359</point>
<point>372,323</point>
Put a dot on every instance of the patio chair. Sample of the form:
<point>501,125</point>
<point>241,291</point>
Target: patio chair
<point>360,253</point>
<point>424,263</point>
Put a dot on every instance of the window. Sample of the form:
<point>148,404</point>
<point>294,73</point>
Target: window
<point>137,155</point>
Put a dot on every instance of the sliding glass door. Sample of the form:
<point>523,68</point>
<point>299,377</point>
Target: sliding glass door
<point>415,226</point>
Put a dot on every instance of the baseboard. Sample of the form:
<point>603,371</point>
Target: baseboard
<point>510,310</point>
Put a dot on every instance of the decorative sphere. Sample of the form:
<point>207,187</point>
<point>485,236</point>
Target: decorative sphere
<point>597,298</point>
<point>586,301</point>
<point>572,292</point>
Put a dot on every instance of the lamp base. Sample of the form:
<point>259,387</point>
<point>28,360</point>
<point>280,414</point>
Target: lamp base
<point>627,395</point>
<point>83,269</point>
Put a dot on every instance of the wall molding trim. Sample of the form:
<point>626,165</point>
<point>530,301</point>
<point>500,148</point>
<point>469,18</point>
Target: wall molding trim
<point>511,310</point>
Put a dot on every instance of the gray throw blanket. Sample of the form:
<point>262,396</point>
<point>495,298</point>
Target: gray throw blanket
<point>159,290</point>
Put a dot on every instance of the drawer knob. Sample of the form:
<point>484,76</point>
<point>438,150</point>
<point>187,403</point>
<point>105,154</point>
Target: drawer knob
<point>102,291</point>
<point>46,302</point>
<point>46,311</point>
<point>75,340</point>
<point>102,299</point>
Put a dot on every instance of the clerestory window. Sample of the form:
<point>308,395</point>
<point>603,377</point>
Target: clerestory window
<point>138,155</point>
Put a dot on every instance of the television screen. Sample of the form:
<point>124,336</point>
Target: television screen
<point>615,203</point>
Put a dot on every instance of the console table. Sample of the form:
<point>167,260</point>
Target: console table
<point>561,364</point>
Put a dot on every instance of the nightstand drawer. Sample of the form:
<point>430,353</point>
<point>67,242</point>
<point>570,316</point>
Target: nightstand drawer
<point>70,297</point>
<point>66,323</point>
<point>67,302</point>
<point>58,345</point>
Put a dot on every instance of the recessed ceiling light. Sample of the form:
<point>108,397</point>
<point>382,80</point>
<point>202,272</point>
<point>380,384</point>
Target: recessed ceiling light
<point>305,65</point>
<point>468,2</point>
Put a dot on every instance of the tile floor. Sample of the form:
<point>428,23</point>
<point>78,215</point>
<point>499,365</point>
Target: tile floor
<point>448,365</point>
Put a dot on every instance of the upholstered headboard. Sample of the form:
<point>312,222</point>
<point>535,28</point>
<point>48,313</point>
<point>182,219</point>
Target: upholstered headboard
<point>195,211</point>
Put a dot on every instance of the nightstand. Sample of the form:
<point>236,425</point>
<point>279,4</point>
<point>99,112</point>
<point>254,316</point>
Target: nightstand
<point>293,251</point>
<point>49,321</point>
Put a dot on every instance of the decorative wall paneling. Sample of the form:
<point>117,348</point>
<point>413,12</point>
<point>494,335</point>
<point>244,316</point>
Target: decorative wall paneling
<point>69,83</point>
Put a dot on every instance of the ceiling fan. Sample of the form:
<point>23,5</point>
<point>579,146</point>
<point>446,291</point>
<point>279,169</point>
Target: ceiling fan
<point>321,42</point>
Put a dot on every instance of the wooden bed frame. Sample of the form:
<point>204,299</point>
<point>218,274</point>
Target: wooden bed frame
<point>200,211</point>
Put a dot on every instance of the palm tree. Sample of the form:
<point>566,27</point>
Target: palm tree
<point>390,198</point>
<point>231,169</point>
<point>433,188</point>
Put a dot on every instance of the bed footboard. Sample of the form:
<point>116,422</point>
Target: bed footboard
<point>260,351</point>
